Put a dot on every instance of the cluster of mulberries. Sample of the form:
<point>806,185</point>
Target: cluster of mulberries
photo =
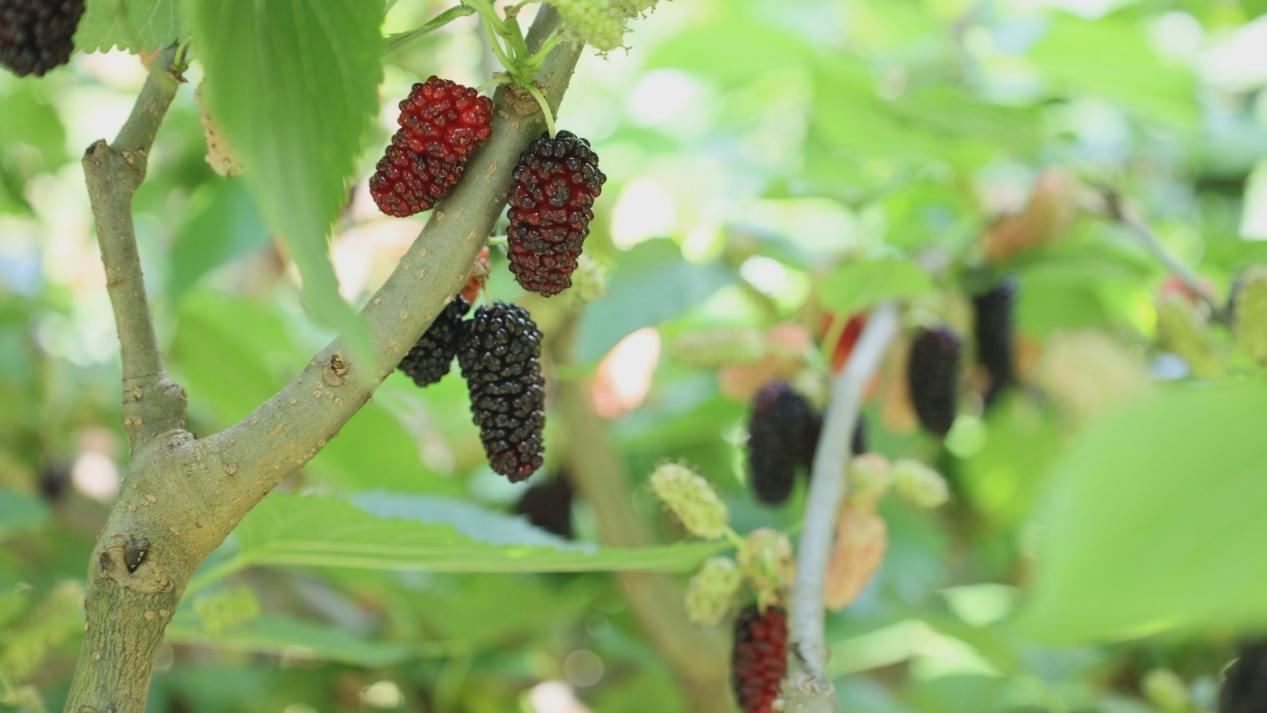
<point>1244,687</point>
<point>500,358</point>
<point>430,359</point>
<point>37,35</point>
<point>551,205</point>
<point>548,505</point>
<point>782,431</point>
<point>759,657</point>
<point>994,335</point>
<point>441,124</point>
<point>933,378</point>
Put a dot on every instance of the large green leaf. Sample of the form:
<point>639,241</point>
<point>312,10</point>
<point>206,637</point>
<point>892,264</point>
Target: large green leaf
<point>225,225</point>
<point>402,532</point>
<point>279,634</point>
<point>132,25</point>
<point>1155,520</point>
<point>293,85</point>
<point>860,284</point>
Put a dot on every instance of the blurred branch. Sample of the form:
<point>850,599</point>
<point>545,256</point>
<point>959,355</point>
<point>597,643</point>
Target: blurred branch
<point>1116,210</point>
<point>152,403</point>
<point>183,495</point>
<point>697,655</point>
<point>807,686</point>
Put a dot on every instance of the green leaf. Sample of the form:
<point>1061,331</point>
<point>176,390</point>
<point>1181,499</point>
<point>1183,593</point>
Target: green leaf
<point>132,25</point>
<point>856,285</point>
<point>402,532</point>
<point>278,634</point>
<point>19,511</point>
<point>1154,520</point>
<point>225,227</point>
<point>293,85</point>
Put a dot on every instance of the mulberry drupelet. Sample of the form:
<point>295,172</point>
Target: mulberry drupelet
<point>995,336</point>
<point>551,205</point>
<point>933,378</point>
<point>782,429</point>
<point>500,357</point>
<point>759,657</point>
<point>37,35</point>
<point>432,357</point>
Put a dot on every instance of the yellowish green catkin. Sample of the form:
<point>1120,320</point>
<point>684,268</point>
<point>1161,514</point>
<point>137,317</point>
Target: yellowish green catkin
<point>919,484</point>
<point>1184,331</point>
<point>712,590</point>
<point>691,499</point>
<point>1251,313</point>
<point>598,22</point>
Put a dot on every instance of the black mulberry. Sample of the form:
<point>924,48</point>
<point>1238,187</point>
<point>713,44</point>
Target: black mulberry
<point>1244,687</point>
<point>759,658</point>
<point>781,429</point>
<point>37,35</point>
<point>500,358</point>
<point>933,378</point>
<point>551,205</point>
<point>430,359</point>
<point>548,505</point>
<point>996,347</point>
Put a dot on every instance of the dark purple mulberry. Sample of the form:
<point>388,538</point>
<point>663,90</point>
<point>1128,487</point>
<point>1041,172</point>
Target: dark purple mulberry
<point>933,378</point>
<point>996,346</point>
<point>758,659</point>
<point>551,205</point>
<point>548,505</point>
<point>1244,687</point>
<point>780,431</point>
<point>37,35</point>
<point>431,358</point>
<point>500,356</point>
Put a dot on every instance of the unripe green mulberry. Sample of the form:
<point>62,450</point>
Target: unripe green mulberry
<point>691,499</point>
<point>1184,331</point>
<point>712,591</point>
<point>1250,313</point>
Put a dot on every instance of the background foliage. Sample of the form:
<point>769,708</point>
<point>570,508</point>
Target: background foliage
<point>769,164</point>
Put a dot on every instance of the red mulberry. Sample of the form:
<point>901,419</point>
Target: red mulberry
<point>1245,683</point>
<point>36,35</point>
<point>780,431</point>
<point>430,359</point>
<point>933,378</point>
<point>759,657</point>
<point>995,337</point>
<point>500,356</point>
<point>441,124</point>
<point>551,205</point>
<point>548,505</point>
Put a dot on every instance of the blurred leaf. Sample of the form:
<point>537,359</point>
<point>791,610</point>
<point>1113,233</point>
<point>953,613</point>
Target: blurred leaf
<point>132,25</point>
<point>732,49</point>
<point>1154,520</point>
<point>282,635</point>
<point>862,283</point>
<point>400,532</point>
<point>651,284</point>
<point>293,85</point>
<point>226,226</point>
<point>19,511</point>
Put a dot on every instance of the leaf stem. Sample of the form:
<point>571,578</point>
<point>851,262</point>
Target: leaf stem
<point>545,107</point>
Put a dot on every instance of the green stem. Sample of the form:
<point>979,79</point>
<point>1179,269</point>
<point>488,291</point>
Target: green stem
<point>545,107</point>
<point>535,60</point>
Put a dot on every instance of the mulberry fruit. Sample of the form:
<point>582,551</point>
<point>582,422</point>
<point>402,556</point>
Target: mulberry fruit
<point>759,657</point>
<point>441,124</point>
<point>551,205</point>
<point>36,35</point>
<point>500,357</point>
<point>780,432</point>
<point>933,378</point>
<point>1245,683</point>
<point>995,338</point>
<point>430,359</point>
<point>548,505</point>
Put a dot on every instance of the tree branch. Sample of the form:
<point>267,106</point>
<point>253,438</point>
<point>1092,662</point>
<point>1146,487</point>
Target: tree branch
<point>184,495</point>
<point>152,403</point>
<point>807,688</point>
<point>696,655</point>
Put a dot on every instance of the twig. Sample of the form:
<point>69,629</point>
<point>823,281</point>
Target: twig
<point>807,686</point>
<point>152,403</point>
<point>1118,212</point>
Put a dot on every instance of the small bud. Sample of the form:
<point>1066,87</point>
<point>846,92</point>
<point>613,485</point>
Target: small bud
<point>870,477</point>
<point>691,499</point>
<point>767,561</point>
<point>861,540</point>
<point>1251,313</point>
<point>919,485</point>
<point>712,591</point>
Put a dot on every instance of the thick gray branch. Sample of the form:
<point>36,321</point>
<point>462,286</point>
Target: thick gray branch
<point>152,403</point>
<point>807,688</point>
